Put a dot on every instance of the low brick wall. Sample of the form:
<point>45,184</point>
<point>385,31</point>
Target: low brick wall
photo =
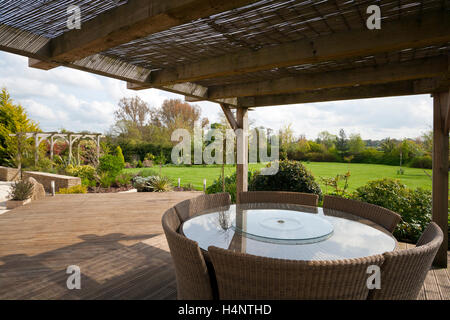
<point>46,180</point>
<point>9,174</point>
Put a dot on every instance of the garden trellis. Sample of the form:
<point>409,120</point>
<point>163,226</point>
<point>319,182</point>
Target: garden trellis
<point>245,54</point>
<point>53,137</point>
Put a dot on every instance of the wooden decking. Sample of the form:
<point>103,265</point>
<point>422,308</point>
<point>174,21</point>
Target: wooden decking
<point>115,239</point>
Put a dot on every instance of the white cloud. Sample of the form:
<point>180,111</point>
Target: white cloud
<point>76,100</point>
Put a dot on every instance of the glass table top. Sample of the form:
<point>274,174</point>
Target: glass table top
<point>288,231</point>
<point>282,226</point>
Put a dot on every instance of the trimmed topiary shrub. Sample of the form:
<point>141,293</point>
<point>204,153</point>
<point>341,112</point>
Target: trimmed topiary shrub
<point>414,206</point>
<point>291,176</point>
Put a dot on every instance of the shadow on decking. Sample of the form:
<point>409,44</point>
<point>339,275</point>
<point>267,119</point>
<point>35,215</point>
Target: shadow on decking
<point>109,270</point>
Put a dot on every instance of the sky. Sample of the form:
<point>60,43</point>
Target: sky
<point>77,101</point>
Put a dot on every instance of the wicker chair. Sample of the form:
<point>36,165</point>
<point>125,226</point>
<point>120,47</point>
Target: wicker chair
<point>404,271</point>
<point>247,277</point>
<point>189,208</point>
<point>384,217</point>
<point>306,199</point>
<point>193,281</point>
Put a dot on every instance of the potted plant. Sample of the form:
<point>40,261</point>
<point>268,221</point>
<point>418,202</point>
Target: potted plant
<point>20,194</point>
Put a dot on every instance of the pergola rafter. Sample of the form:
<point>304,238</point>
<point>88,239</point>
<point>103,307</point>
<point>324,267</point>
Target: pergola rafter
<point>243,54</point>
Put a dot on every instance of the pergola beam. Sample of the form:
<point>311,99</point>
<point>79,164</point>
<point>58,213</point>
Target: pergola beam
<point>133,20</point>
<point>429,29</point>
<point>230,117</point>
<point>401,88</point>
<point>423,68</point>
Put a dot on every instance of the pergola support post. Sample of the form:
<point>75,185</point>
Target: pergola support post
<point>242,151</point>
<point>441,102</point>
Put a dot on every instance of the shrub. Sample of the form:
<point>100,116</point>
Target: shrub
<point>424,162</point>
<point>105,179</point>
<point>188,187</point>
<point>83,172</point>
<point>414,206</point>
<point>45,165</point>
<point>120,156</point>
<point>152,184</point>
<point>111,164</point>
<point>147,173</point>
<point>160,184</point>
<point>73,190</point>
<point>123,179</point>
<point>230,185</point>
<point>21,190</point>
<point>291,176</point>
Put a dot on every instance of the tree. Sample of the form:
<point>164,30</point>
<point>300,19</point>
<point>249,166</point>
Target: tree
<point>388,145</point>
<point>327,139</point>
<point>355,144</point>
<point>14,119</point>
<point>341,142</point>
<point>176,114</point>
<point>131,117</point>
<point>286,139</point>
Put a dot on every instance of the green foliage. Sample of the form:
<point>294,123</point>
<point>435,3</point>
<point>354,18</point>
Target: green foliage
<point>21,190</point>
<point>152,184</point>
<point>45,165</point>
<point>73,190</point>
<point>123,179</point>
<point>105,179</point>
<point>13,119</point>
<point>338,188</point>
<point>149,156</point>
<point>120,156</point>
<point>160,184</point>
<point>414,206</point>
<point>188,187</point>
<point>111,164</point>
<point>147,173</point>
<point>291,176</point>
<point>424,162</point>
<point>83,172</point>
<point>230,184</point>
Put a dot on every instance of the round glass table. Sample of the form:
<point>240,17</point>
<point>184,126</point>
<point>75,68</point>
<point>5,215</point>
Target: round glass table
<point>287,231</point>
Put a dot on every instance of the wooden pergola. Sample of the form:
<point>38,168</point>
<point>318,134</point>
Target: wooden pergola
<point>245,54</point>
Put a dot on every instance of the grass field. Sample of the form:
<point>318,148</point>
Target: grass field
<point>360,173</point>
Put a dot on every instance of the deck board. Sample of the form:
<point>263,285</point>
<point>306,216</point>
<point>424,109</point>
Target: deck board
<point>115,239</point>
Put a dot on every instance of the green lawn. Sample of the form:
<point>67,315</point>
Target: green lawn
<point>360,173</point>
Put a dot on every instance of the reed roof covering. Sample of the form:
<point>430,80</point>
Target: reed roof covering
<point>206,50</point>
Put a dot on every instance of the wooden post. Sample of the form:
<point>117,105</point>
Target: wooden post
<point>440,171</point>
<point>98,148</point>
<point>36,149</point>
<point>70,149</point>
<point>242,152</point>
<point>52,142</point>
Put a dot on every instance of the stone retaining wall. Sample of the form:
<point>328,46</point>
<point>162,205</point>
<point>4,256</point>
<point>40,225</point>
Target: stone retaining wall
<point>9,174</point>
<point>46,179</point>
